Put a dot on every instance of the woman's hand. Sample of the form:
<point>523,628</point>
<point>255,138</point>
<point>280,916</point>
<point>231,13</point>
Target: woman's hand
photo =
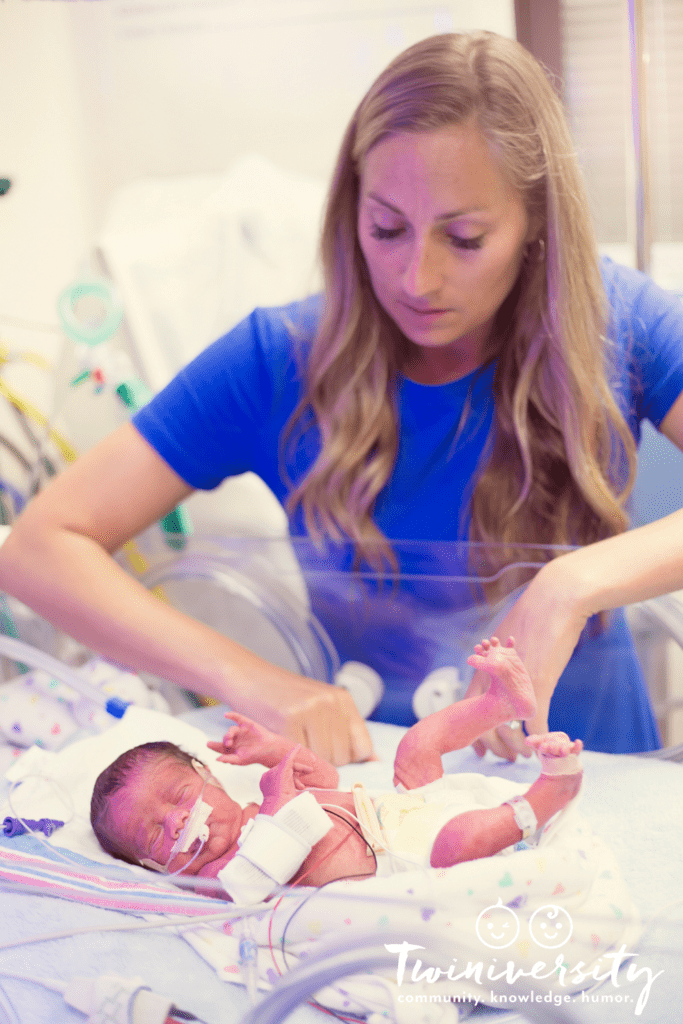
<point>318,716</point>
<point>546,622</point>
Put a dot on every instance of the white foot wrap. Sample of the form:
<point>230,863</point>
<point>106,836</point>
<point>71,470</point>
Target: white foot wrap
<point>552,764</point>
<point>273,848</point>
<point>525,818</point>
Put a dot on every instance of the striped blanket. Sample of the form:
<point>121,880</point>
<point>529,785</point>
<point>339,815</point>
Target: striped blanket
<point>42,876</point>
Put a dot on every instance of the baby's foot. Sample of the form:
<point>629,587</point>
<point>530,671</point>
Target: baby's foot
<point>561,769</point>
<point>510,683</point>
<point>558,754</point>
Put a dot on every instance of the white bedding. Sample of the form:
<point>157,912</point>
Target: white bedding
<point>621,795</point>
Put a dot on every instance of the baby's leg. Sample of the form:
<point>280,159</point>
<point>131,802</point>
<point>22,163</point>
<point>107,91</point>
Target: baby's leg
<point>482,833</point>
<point>510,694</point>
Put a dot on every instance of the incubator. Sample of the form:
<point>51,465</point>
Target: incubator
<point>399,640</point>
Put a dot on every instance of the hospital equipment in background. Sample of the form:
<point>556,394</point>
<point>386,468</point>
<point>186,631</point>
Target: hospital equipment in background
<point>106,366</point>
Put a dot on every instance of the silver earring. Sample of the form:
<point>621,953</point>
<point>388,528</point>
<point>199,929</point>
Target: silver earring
<point>541,250</point>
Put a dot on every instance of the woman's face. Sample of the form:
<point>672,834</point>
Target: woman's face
<point>443,234</point>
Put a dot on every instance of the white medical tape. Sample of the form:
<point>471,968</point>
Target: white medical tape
<point>195,828</point>
<point>524,815</point>
<point>273,848</point>
<point>244,882</point>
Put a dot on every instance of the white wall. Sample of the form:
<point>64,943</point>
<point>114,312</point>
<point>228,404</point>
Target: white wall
<point>46,217</point>
<point>96,94</point>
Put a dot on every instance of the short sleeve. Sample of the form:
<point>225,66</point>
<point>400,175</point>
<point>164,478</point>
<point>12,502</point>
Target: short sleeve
<point>647,326</point>
<point>222,414</point>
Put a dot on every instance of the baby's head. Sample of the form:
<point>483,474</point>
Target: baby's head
<point>142,801</point>
<point>112,783</point>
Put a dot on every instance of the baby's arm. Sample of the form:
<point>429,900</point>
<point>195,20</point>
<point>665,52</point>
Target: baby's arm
<point>279,786</point>
<point>276,843</point>
<point>247,742</point>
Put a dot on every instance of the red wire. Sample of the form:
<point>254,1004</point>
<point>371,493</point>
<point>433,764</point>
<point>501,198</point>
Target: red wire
<point>298,882</point>
<point>316,1006</point>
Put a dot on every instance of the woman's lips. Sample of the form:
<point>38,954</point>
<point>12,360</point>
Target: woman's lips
<point>430,312</point>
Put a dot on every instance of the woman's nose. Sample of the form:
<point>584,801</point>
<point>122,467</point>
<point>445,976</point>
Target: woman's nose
<point>422,274</point>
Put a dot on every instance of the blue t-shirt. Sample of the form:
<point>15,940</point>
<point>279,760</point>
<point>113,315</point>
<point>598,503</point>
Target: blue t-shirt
<point>225,413</point>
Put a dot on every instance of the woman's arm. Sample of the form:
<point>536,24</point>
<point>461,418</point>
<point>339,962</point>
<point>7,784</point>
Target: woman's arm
<point>550,615</point>
<point>57,559</point>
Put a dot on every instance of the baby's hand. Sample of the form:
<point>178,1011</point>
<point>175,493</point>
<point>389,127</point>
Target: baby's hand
<point>247,742</point>
<point>280,784</point>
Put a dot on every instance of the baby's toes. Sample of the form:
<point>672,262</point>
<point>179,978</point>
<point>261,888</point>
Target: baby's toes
<point>556,743</point>
<point>535,739</point>
<point>478,661</point>
<point>543,743</point>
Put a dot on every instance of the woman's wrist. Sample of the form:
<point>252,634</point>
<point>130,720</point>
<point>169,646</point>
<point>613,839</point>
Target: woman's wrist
<point>569,580</point>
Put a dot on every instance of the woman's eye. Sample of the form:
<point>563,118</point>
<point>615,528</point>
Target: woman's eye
<point>384,233</point>
<point>466,243</point>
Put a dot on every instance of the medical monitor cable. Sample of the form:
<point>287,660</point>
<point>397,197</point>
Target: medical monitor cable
<point>124,1000</point>
<point>312,1001</point>
<point>55,853</point>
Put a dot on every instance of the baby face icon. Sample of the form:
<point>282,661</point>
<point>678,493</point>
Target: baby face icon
<point>550,926</point>
<point>497,926</point>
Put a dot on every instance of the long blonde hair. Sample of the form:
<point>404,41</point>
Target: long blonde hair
<point>562,458</point>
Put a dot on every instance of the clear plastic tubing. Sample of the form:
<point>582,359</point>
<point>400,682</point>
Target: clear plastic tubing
<point>17,650</point>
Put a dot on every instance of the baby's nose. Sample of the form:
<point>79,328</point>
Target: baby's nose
<point>176,820</point>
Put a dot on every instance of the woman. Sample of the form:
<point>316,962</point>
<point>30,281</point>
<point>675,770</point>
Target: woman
<point>454,382</point>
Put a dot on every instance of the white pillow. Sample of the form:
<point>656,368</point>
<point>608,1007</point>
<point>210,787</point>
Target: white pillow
<point>60,784</point>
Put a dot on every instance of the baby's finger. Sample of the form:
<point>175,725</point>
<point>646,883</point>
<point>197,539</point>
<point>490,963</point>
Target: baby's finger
<point>220,748</point>
<point>289,758</point>
<point>240,720</point>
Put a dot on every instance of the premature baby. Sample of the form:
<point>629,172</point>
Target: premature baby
<point>143,802</point>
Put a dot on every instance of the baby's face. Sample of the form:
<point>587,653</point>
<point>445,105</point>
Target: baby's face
<point>149,812</point>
